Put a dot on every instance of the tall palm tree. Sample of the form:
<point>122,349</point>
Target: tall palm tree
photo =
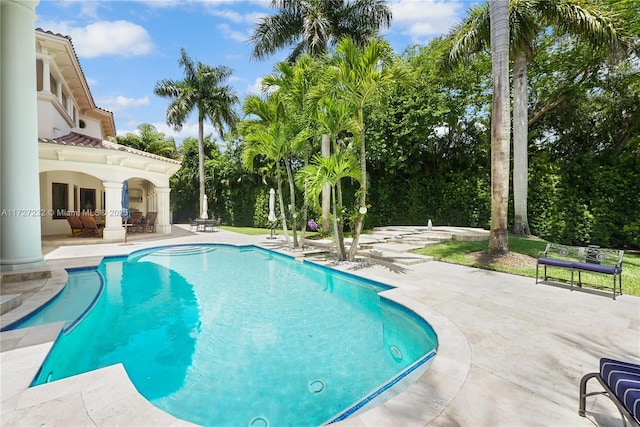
<point>355,76</point>
<point>330,118</point>
<point>276,137</point>
<point>203,90</point>
<point>500,129</point>
<point>311,26</point>
<point>527,19</point>
<point>293,83</point>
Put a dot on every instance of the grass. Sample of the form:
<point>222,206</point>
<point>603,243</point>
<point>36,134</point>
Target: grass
<point>249,231</point>
<point>454,252</point>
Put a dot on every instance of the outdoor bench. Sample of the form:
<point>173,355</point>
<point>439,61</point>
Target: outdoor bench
<point>621,383</point>
<point>590,259</point>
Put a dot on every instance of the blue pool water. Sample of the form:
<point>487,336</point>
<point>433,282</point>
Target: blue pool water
<point>241,336</point>
<point>71,305</point>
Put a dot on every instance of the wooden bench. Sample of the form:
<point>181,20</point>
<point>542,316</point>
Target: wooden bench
<point>591,259</point>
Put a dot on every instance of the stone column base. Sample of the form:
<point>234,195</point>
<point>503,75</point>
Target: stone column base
<point>116,233</point>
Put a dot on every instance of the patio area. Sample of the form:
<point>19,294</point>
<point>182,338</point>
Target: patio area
<point>511,352</point>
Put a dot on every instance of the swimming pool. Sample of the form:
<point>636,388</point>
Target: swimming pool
<point>225,335</point>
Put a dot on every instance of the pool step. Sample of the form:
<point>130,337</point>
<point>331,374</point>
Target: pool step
<point>9,302</point>
<point>405,258</point>
<point>391,247</point>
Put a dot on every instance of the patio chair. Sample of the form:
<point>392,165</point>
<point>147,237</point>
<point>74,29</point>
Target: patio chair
<point>193,224</point>
<point>136,221</point>
<point>89,226</point>
<point>76,225</point>
<point>150,223</point>
<point>621,383</point>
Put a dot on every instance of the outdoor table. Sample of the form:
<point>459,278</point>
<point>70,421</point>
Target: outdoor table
<point>206,224</point>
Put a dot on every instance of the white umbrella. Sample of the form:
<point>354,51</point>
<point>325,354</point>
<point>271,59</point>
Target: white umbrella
<point>272,205</point>
<point>272,212</point>
<point>205,208</point>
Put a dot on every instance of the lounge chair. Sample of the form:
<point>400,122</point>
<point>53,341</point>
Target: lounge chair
<point>150,223</point>
<point>76,225</point>
<point>89,226</point>
<point>621,383</point>
<point>136,221</point>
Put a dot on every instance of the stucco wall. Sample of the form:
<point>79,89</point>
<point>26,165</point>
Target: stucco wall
<point>75,181</point>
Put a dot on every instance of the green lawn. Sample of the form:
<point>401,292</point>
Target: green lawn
<point>249,231</point>
<point>454,252</point>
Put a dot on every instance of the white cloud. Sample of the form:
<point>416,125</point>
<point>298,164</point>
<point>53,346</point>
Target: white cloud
<point>119,102</point>
<point>423,19</point>
<point>231,15</point>
<point>256,88</point>
<point>189,130</point>
<point>119,38</point>
<point>229,33</point>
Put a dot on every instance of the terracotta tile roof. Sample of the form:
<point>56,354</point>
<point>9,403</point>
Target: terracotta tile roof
<point>78,140</point>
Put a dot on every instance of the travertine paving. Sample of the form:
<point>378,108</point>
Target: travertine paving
<point>511,352</point>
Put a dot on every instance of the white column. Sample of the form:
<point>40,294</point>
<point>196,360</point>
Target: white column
<point>163,225</point>
<point>46,75</point>
<point>113,229</point>
<point>59,91</point>
<point>19,179</point>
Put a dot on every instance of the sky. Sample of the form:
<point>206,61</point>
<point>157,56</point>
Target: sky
<point>126,47</point>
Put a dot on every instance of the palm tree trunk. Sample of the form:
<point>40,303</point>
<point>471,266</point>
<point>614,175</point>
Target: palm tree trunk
<point>326,191</point>
<point>292,190</point>
<point>336,234</point>
<point>283,216</point>
<point>357,228</point>
<point>520,131</point>
<point>201,159</point>
<point>305,205</point>
<point>339,219</point>
<point>498,237</point>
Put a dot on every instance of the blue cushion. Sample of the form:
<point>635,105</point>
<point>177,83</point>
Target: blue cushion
<point>555,262</point>
<point>598,268</point>
<point>623,378</point>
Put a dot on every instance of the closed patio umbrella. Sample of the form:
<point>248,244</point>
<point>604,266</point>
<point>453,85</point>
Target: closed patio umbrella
<point>272,205</point>
<point>124,213</point>
<point>272,212</point>
<point>205,208</point>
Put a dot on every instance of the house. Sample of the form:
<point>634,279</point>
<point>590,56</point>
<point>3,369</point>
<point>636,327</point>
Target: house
<point>54,153</point>
<point>79,169</point>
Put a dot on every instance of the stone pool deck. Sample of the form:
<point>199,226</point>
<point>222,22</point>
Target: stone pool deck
<point>511,352</point>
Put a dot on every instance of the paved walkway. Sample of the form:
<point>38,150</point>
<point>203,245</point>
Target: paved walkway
<point>511,352</point>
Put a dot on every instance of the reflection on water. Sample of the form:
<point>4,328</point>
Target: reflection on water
<point>159,310</point>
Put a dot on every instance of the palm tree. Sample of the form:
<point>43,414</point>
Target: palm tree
<point>354,76</point>
<point>150,140</point>
<point>275,137</point>
<point>310,26</point>
<point>500,129</point>
<point>330,171</point>
<point>203,90</point>
<point>527,19</point>
<point>293,83</point>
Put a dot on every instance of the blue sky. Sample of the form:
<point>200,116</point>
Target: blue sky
<point>125,47</point>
